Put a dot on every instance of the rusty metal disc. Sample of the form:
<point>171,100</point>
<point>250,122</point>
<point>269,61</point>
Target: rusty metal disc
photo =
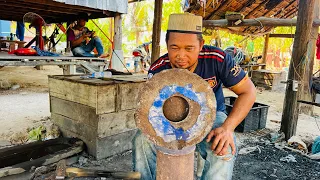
<point>176,109</point>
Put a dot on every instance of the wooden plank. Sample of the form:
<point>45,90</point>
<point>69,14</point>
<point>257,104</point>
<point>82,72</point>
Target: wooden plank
<point>255,22</point>
<point>130,78</point>
<point>115,123</point>
<point>311,103</point>
<point>106,99</point>
<point>70,128</point>
<point>78,112</point>
<point>265,50</point>
<point>281,35</point>
<point>128,94</point>
<point>301,39</point>
<point>14,57</point>
<point>74,126</point>
<point>76,92</point>
<point>45,63</point>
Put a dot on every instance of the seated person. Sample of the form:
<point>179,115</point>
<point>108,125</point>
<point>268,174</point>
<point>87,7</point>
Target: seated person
<point>83,41</point>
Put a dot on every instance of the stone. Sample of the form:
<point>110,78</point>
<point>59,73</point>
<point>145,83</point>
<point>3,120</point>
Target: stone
<point>4,84</point>
<point>15,87</point>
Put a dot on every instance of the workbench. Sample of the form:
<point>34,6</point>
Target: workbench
<point>99,112</point>
<point>268,79</point>
<point>12,44</point>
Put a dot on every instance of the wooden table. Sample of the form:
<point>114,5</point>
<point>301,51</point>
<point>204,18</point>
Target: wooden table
<point>12,45</point>
<point>250,67</point>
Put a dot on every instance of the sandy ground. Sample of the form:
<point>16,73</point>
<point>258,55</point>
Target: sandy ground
<point>28,107</point>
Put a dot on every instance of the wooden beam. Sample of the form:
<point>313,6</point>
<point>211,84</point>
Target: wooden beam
<point>265,50</point>
<point>156,31</point>
<point>281,35</point>
<point>306,90</point>
<point>295,76</point>
<point>41,8</point>
<point>261,21</point>
<point>58,5</point>
<point>310,103</point>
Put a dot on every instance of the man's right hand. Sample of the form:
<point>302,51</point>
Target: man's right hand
<point>86,35</point>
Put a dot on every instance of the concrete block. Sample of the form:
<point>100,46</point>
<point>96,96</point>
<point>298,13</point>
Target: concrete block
<point>115,123</point>
<point>114,144</point>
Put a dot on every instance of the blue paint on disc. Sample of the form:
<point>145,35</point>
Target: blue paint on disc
<point>162,125</point>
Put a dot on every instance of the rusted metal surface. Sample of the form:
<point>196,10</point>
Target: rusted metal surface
<point>201,112</point>
<point>173,167</point>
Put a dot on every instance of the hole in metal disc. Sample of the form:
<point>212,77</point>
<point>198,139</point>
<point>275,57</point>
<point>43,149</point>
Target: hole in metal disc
<point>176,108</point>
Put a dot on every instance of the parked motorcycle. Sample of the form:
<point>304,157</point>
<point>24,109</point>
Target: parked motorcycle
<point>141,57</point>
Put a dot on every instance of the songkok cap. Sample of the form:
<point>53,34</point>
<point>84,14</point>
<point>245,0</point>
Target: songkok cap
<point>185,23</point>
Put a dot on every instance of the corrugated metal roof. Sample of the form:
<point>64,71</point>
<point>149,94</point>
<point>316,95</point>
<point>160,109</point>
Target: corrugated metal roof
<point>120,6</point>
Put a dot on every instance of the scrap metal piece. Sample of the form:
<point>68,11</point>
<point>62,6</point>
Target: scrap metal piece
<point>174,131</point>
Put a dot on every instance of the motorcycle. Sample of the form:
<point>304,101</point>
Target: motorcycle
<point>141,57</point>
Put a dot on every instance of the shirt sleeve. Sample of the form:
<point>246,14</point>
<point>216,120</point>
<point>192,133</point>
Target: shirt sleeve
<point>230,73</point>
<point>71,36</point>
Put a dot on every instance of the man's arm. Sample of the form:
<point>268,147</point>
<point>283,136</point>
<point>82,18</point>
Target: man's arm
<point>77,42</point>
<point>224,135</point>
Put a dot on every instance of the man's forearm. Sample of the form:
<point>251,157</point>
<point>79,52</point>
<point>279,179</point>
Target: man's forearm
<point>240,109</point>
<point>77,42</point>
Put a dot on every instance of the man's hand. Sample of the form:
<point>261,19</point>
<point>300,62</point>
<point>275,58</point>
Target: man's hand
<point>86,35</point>
<point>223,138</point>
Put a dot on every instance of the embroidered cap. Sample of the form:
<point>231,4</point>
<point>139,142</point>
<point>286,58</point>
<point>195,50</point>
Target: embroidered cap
<point>185,23</point>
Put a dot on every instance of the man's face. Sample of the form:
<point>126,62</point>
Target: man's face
<point>82,22</point>
<point>183,49</point>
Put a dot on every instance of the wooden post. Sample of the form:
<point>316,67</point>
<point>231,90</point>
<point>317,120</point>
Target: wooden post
<point>111,33</point>
<point>117,55</point>
<point>306,92</point>
<point>265,51</point>
<point>156,32</point>
<point>290,107</point>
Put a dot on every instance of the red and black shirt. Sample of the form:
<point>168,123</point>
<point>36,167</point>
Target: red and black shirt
<point>214,65</point>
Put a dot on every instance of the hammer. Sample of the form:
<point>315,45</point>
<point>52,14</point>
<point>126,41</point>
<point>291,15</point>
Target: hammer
<point>63,171</point>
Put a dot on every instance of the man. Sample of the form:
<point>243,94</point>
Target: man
<point>186,50</point>
<point>83,41</point>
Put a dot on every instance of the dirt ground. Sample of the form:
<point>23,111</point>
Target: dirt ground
<point>28,107</point>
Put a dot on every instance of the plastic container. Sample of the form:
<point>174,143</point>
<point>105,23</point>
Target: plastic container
<point>105,74</point>
<point>256,118</point>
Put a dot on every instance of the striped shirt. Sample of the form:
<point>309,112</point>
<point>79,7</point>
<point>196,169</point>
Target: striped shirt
<point>214,65</point>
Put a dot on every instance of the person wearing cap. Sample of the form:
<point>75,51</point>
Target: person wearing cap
<point>83,41</point>
<point>186,50</point>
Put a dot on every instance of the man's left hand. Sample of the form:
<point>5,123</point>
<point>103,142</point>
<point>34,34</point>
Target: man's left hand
<point>223,138</point>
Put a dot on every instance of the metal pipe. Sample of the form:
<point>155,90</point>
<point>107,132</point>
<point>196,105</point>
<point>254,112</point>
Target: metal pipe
<point>175,111</point>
